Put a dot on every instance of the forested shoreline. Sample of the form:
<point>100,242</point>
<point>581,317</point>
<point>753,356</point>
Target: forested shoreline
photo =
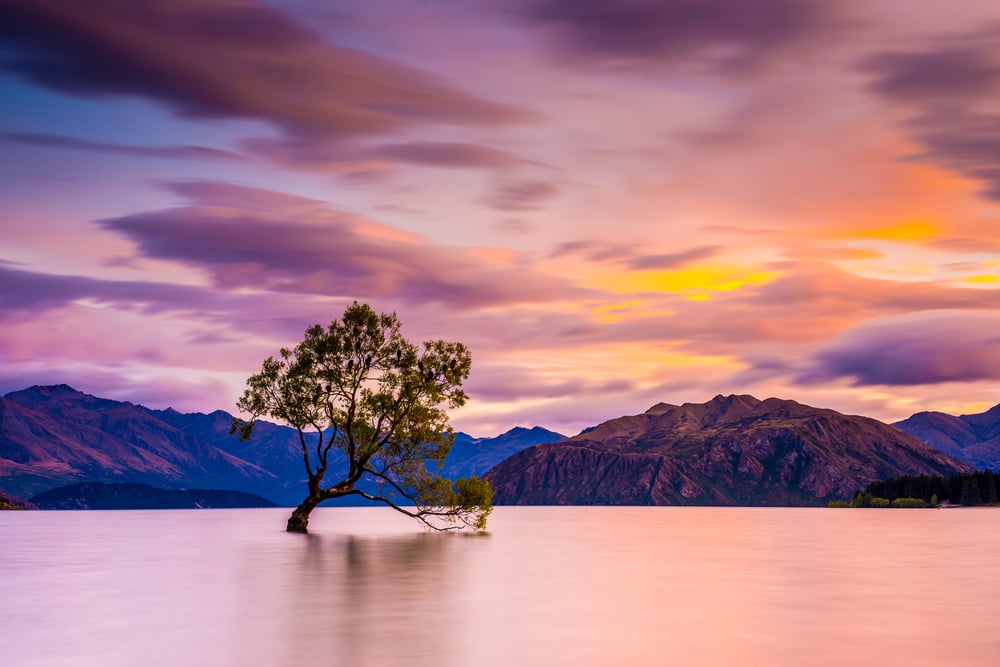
<point>967,489</point>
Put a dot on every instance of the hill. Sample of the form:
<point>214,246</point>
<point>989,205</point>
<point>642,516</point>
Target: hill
<point>126,496</point>
<point>974,439</point>
<point>731,450</point>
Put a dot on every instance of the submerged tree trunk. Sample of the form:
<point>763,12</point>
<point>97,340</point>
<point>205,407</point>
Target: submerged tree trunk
<point>299,521</point>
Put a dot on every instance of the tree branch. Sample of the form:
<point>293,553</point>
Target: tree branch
<point>419,515</point>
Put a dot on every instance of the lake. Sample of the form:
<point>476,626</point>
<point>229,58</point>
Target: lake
<point>572,586</point>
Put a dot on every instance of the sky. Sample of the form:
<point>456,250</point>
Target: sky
<point>611,203</point>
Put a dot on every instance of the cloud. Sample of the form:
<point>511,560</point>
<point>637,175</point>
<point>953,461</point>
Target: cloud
<point>227,59</point>
<point>604,251</point>
<point>29,291</point>
<point>445,154</point>
<point>347,157</point>
<point>25,295</point>
<point>166,152</point>
<point>521,195</point>
<point>595,251</point>
<point>248,237</point>
<point>951,88</point>
<point>914,349</point>
<point>673,260</point>
<point>493,382</point>
<point>946,73</point>
<point>724,35</point>
<point>818,287</point>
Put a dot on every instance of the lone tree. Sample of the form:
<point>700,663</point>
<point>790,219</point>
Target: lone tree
<point>368,401</point>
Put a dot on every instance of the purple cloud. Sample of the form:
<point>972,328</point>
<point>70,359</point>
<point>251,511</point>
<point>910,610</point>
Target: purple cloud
<point>24,295</point>
<point>727,35</point>
<point>941,74</point>
<point>226,59</point>
<point>347,157</point>
<point>29,291</point>
<point>521,195</point>
<point>602,251</point>
<point>445,154</point>
<point>244,237</point>
<point>166,152</point>
<point>952,88</point>
<point>926,348</point>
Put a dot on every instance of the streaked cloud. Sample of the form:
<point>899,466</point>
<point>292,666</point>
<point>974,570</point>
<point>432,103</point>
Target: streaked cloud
<point>951,88</point>
<point>711,33</point>
<point>165,152</point>
<point>521,195</point>
<point>228,59</point>
<point>926,348</point>
<point>245,237</point>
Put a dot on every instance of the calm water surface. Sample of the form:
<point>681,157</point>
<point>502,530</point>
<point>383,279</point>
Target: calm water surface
<point>546,586</point>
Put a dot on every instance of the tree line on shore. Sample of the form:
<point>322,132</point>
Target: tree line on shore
<point>967,489</point>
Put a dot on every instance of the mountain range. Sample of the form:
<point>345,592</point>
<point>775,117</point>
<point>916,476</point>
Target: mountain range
<point>971,438</point>
<point>731,450</point>
<point>53,436</point>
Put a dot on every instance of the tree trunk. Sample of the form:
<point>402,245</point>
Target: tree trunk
<point>299,521</point>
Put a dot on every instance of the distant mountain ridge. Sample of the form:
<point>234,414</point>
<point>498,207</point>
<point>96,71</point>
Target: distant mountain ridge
<point>475,456</point>
<point>731,450</point>
<point>51,436</point>
<point>974,439</point>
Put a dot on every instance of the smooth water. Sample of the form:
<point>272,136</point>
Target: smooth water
<point>546,586</point>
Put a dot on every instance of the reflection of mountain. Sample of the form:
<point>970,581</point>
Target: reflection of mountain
<point>124,495</point>
<point>974,439</point>
<point>732,450</point>
<point>54,436</point>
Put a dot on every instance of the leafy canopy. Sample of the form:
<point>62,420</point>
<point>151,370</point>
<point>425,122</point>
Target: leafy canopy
<point>357,391</point>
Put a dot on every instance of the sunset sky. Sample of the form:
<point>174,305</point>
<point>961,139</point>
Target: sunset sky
<point>612,204</point>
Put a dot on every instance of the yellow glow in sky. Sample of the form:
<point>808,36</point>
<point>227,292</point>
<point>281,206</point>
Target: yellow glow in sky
<point>692,282</point>
<point>911,230</point>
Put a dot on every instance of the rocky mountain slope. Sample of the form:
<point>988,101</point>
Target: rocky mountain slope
<point>974,439</point>
<point>732,450</point>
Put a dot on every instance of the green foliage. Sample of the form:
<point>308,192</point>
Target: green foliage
<point>909,502</point>
<point>865,499</point>
<point>838,503</point>
<point>361,391</point>
<point>862,500</point>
